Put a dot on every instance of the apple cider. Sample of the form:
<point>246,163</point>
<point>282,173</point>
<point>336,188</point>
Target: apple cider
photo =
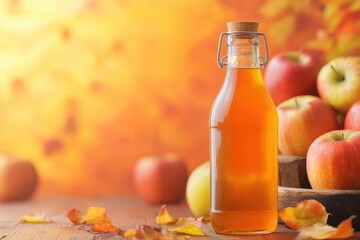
<point>243,141</point>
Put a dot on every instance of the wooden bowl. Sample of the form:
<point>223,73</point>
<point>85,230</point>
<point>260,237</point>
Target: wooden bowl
<point>295,187</point>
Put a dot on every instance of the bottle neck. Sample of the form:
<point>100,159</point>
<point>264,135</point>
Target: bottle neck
<point>243,51</point>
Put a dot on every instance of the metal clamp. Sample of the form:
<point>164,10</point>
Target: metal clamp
<point>222,62</point>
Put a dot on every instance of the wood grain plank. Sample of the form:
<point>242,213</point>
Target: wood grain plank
<point>126,213</point>
<point>292,172</point>
<point>5,229</point>
<point>46,231</point>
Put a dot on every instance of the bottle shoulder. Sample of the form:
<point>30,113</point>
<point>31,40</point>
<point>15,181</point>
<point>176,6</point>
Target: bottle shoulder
<point>243,94</point>
<point>254,107</point>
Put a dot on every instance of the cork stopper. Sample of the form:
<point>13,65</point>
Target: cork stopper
<point>242,26</point>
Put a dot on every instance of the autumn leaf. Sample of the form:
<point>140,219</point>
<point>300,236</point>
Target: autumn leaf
<point>104,227</point>
<point>189,229</point>
<point>131,233</point>
<point>148,232</point>
<point>188,225</point>
<point>324,231</point>
<point>181,222</point>
<point>76,216</point>
<point>163,216</point>
<point>35,218</point>
<point>206,219</point>
<point>306,213</point>
<point>93,216</point>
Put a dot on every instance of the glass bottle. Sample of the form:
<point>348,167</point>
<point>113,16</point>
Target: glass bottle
<point>243,140</point>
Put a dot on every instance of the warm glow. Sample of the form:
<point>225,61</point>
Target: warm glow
<point>88,87</point>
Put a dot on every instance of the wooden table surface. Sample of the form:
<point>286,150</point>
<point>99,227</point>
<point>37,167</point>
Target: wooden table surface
<point>125,213</point>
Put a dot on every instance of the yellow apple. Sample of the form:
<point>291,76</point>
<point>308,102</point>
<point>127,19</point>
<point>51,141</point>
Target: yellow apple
<point>198,190</point>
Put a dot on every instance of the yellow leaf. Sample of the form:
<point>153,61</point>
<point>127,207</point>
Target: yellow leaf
<point>306,213</point>
<point>35,218</point>
<point>164,217</point>
<point>95,215</point>
<point>324,231</point>
<point>189,229</point>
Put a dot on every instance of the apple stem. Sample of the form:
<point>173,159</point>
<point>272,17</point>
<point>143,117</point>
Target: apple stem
<point>340,77</point>
<point>297,102</point>
<point>342,135</point>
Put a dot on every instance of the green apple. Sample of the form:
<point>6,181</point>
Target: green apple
<point>338,83</point>
<point>198,190</point>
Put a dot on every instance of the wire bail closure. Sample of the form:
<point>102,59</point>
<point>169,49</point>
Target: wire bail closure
<point>222,62</point>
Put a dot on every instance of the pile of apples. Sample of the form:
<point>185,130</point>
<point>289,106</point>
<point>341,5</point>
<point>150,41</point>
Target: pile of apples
<point>319,115</point>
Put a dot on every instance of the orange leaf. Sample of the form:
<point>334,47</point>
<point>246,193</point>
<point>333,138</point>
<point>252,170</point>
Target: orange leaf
<point>131,233</point>
<point>104,227</point>
<point>205,219</point>
<point>95,215</point>
<point>76,216</point>
<point>35,218</point>
<point>164,217</point>
<point>324,231</point>
<point>345,229</point>
<point>306,213</point>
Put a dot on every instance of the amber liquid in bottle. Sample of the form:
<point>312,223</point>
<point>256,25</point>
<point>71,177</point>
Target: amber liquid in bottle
<point>243,142</point>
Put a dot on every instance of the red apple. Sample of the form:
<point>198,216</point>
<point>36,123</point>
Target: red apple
<point>301,120</point>
<point>18,179</point>
<point>333,161</point>
<point>291,74</point>
<point>161,179</point>
<point>338,83</point>
<point>352,118</point>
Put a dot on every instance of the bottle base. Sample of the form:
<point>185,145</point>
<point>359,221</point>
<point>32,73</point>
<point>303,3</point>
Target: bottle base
<point>231,232</point>
<point>244,222</point>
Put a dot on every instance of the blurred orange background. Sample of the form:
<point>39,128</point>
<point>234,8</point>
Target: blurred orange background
<point>88,87</point>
